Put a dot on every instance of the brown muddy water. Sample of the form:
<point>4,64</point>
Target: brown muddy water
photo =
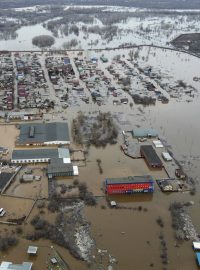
<point>130,235</point>
<point>8,136</point>
<point>125,232</point>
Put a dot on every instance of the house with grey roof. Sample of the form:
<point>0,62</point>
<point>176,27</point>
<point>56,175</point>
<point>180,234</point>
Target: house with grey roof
<point>55,133</point>
<point>11,266</point>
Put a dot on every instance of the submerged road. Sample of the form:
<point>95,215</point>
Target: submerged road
<point>115,48</point>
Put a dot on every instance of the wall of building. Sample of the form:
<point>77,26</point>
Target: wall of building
<point>26,161</point>
<point>129,188</point>
<point>56,142</point>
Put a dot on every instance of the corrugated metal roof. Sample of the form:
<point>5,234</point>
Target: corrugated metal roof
<point>150,155</point>
<point>41,153</point>
<point>34,154</point>
<point>57,166</point>
<point>32,250</point>
<point>63,153</point>
<point>11,266</point>
<point>43,133</point>
<point>144,132</point>
<point>130,179</point>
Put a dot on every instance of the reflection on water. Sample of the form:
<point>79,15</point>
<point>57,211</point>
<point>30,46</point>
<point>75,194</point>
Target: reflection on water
<point>131,198</point>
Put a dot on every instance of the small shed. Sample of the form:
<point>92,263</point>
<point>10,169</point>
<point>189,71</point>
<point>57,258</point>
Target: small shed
<point>180,174</point>
<point>158,144</point>
<point>124,100</point>
<point>32,250</point>
<point>196,245</point>
<point>75,169</point>
<point>104,59</point>
<point>54,261</point>
<point>166,185</point>
<point>28,177</point>
<point>113,204</point>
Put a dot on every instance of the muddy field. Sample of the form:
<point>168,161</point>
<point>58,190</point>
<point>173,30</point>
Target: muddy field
<point>9,134</point>
<point>34,189</point>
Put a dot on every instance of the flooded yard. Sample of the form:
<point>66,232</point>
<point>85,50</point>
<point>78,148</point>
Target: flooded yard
<point>9,134</point>
<point>139,231</point>
<point>31,189</point>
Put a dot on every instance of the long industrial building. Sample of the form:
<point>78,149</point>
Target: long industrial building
<point>58,159</point>
<point>39,155</point>
<point>129,185</point>
<point>150,156</point>
<point>55,133</point>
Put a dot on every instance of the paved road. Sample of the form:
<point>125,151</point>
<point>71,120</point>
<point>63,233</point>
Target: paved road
<point>15,81</point>
<point>52,95</point>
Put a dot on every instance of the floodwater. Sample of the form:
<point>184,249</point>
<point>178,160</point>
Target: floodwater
<point>139,29</point>
<point>8,136</point>
<point>114,164</point>
<point>33,189</point>
<point>132,235</point>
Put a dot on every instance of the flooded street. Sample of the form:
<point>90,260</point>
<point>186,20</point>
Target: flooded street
<point>130,233</point>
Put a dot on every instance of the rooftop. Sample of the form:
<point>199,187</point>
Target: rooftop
<point>32,250</point>
<point>144,132</point>
<point>58,166</point>
<point>43,132</point>
<point>41,153</point>
<point>198,258</point>
<point>196,245</point>
<point>130,179</point>
<point>150,154</point>
<point>11,266</point>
